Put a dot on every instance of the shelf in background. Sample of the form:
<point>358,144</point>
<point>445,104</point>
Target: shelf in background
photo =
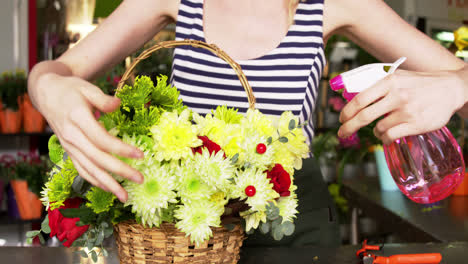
<point>20,134</point>
<point>7,220</point>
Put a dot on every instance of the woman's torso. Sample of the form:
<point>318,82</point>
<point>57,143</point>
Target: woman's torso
<point>284,79</point>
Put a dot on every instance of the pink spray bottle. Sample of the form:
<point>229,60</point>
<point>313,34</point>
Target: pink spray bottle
<point>427,168</point>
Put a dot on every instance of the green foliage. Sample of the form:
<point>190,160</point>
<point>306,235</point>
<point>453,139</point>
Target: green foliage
<point>31,168</point>
<point>55,149</point>
<point>59,186</point>
<point>12,86</point>
<point>99,200</point>
<point>141,106</point>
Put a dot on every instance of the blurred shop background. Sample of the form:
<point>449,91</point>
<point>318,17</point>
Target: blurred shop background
<point>37,30</point>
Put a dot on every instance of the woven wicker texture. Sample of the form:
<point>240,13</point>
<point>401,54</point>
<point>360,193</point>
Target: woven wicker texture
<point>139,245</point>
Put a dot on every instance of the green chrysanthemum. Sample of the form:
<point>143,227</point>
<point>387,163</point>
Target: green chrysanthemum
<point>191,186</point>
<point>155,193</point>
<point>174,136</point>
<point>59,186</point>
<point>228,115</point>
<point>214,169</point>
<point>99,200</point>
<point>55,150</point>
<point>195,220</point>
<point>288,207</point>
<point>253,219</point>
<point>263,188</point>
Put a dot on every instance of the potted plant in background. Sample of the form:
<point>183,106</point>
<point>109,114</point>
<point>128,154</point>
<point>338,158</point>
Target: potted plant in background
<point>28,177</point>
<point>12,87</point>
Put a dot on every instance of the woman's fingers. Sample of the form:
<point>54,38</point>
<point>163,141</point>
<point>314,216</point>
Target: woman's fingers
<point>98,99</point>
<point>364,99</point>
<point>105,160</point>
<point>84,119</point>
<point>100,175</point>
<point>85,175</point>
<point>367,116</point>
<point>396,132</point>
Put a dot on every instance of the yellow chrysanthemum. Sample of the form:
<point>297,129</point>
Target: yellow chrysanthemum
<point>174,136</point>
<point>258,123</point>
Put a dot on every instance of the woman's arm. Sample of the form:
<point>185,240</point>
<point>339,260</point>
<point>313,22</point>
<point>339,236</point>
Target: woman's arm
<point>421,98</point>
<point>61,91</point>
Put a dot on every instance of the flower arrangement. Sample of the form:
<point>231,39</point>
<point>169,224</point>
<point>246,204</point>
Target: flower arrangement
<point>220,169</point>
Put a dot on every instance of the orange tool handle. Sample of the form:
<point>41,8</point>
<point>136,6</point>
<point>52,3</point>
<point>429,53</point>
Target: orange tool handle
<point>430,258</point>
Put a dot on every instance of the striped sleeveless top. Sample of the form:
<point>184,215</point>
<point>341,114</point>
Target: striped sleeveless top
<point>284,79</point>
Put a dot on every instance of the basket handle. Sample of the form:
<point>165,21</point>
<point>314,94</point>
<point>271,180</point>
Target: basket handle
<point>197,44</point>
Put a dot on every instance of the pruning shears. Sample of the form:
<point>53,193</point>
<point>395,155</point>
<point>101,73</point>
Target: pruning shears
<point>369,258</point>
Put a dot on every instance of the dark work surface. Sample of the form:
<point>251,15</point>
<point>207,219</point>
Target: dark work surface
<point>444,221</point>
<point>453,253</point>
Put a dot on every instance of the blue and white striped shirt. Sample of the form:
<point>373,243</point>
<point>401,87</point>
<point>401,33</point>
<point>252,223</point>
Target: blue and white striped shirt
<point>285,79</point>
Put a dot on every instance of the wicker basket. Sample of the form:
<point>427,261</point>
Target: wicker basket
<point>166,244</point>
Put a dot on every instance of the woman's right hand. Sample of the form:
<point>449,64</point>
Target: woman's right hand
<point>68,104</point>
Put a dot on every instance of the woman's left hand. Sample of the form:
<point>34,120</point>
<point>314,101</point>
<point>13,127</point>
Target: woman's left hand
<point>412,102</point>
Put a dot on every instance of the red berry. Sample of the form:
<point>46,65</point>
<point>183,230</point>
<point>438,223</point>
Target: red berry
<point>261,148</point>
<point>250,190</point>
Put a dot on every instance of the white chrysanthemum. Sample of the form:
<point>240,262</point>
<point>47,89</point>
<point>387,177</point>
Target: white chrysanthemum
<point>214,169</point>
<point>154,193</point>
<point>258,123</point>
<point>174,136</point>
<point>195,219</point>
<point>263,188</point>
<point>253,219</point>
<point>288,207</point>
<point>191,186</point>
<point>249,149</point>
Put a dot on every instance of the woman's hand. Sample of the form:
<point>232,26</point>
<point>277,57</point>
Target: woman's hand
<point>68,104</point>
<point>412,103</point>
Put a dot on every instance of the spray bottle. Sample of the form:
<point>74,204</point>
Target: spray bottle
<point>427,168</point>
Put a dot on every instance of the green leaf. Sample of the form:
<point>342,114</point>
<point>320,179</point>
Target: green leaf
<point>250,232</point>
<point>272,211</point>
<point>283,139</point>
<point>104,225</point>
<point>100,237</point>
<point>85,214</point>
<point>108,231</point>
<point>292,124</point>
<point>277,222</point>
<point>83,254</point>
<point>79,243</point>
<point>94,256</point>
<point>277,234</point>
<point>265,228</point>
<point>104,252</point>
<point>288,228</point>
<point>33,233</point>
<point>29,240</point>
<point>41,239</point>
<point>90,244</point>
<point>78,184</point>
<point>269,140</point>
<point>45,225</point>
<point>235,158</point>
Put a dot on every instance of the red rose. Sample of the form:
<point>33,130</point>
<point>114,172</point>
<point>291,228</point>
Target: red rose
<point>63,227</point>
<point>208,144</point>
<point>280,179</point>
